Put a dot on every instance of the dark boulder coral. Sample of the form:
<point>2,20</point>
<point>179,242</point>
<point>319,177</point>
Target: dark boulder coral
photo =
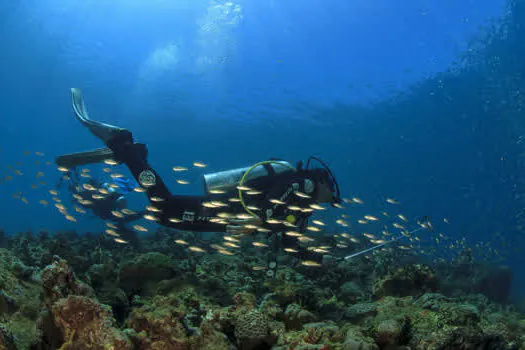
<point>253,330</point>
<point>351,292</point>
<point>102,274</point>
<point>461,278</point>
<point>359,312</point>
<point>250,326</point>
<point>496,283</point>
<point>392,333</point>
<point>140,275</point>
<point>295,316</point>
<point>407,280</point>
<point>117,299</point>
<point>103,279</point>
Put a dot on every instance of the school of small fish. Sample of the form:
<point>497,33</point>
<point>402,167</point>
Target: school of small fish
<point>346,233</point>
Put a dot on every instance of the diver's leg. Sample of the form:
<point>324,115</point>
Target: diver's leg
<point>121,143</point>
<point>101,130</point>
<point>134,155</point>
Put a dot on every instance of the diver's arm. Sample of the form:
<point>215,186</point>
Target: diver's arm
<point>284,191</point>
<point>293,242</point>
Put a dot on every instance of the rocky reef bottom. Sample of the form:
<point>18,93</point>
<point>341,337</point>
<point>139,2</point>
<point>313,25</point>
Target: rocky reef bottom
<point>68,291</point>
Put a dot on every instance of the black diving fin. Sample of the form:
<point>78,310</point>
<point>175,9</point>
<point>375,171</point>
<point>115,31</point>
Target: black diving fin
<point>102,131</point>
<point>83,158</point>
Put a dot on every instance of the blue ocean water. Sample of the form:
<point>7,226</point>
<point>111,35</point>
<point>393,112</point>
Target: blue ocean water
<point>420,100</point>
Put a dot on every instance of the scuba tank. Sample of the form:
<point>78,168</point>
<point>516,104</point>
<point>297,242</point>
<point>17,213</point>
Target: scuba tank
<point>228,180</point>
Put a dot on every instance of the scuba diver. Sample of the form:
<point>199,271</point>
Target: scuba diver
<point>271,196</point>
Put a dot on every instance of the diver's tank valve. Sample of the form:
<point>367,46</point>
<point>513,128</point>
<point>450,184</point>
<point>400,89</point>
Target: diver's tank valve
<point>228,180</point>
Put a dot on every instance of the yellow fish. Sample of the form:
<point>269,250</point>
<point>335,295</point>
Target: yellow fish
<point>224,252</point>
<point>357,200</point>
<point>110,162</point>
<point>217,192</point>
<point>196,249</point>
<point>150,217</point>
<point>112,232</point>
<point>317,207</point>
<point>70,218</point>
<point>140,228</point>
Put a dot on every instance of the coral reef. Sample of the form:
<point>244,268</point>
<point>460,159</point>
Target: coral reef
<point>406,280</point>
<point>97,294</point>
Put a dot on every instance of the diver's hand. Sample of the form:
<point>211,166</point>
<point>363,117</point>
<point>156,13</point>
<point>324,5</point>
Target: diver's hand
<point>243,226</point>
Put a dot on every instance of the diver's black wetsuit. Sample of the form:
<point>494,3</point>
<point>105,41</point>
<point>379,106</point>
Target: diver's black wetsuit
<point>188,212</point>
